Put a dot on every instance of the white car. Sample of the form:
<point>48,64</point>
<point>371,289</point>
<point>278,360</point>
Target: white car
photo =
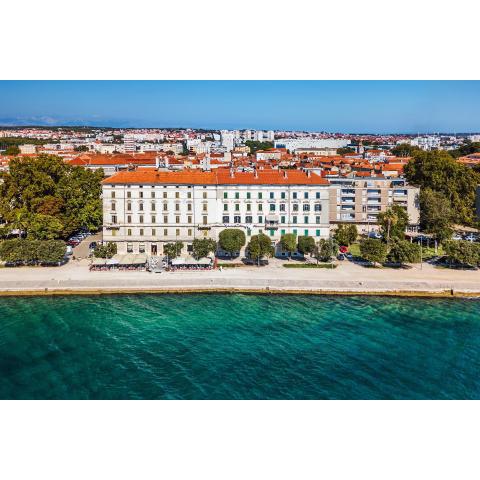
<point>456,236</point>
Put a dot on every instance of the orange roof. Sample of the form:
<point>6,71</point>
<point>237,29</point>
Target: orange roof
<point>218,177</point>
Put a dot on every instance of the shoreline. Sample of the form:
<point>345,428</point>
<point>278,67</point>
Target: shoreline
<point>236,290</point>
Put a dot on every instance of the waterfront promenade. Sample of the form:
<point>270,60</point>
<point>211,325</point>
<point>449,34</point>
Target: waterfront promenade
<point>75,277</point>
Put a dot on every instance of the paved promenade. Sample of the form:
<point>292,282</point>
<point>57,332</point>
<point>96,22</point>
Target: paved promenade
<point>347,277</point>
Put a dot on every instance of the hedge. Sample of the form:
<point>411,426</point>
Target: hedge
<point>32,251</point>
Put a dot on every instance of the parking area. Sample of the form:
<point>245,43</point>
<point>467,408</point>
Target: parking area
<point>82,249</point>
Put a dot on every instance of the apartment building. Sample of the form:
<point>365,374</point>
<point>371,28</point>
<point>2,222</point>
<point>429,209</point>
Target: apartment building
<point>144,209</point>
<point>359,200</point>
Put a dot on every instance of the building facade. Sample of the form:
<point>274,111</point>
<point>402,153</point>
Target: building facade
<point>360,200</point>
<point>145,209</point>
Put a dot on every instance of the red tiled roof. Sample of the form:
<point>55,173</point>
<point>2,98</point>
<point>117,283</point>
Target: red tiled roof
<point>218,177</point>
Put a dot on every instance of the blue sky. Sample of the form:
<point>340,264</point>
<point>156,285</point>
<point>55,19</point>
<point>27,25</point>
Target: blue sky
<point>334,106</point>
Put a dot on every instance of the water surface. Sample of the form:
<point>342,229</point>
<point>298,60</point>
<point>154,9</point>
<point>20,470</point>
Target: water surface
<point>213,346</point>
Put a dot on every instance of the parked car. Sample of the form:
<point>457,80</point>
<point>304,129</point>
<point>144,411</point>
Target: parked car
<point>69,250</point>
<point>341,257</point>
<point>471,237</point>
<point>456,236</point>
<point>375,235</point>
<point>92,245</point>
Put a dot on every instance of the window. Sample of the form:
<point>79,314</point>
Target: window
<point>205,207</point>
<point>205,220</point>
<point>282,219</point>
<point>317,219</point>
<point>177,194</point>
<point>177,232</point>
<point>237,219</point>
<point>260,207</point>
<point>165,232</point>
<point>317,233</point>
<point>282,207</point>
<point>272,232</point>
<point>305,195</point>
<point>154,232</point>
<point>165,207</point>
<point>305,219</point>
<point>294,231</point>
<point>177,207</point>
<point>317,195</point>
<point>249,207</point>
<point>272,195</point>
<point>165,219</point>
<point>129,206</point>
<point>113,206</point>
<point>113,194</point>
<point>294,219</point>
<point>249,232</point>
<point>260,195</point>
<point>141,207</point>
<point>114,219</point>
<point>249,195</point>
<point>189,219</point>
<point>282,195</point>
<point>237,207</point>
<point>306,207</point>
<point>165,194</point>
<point>305,232</point>
<point>260,219</point>
<point>225,207</point>
<point>154,219</point>
<point>204,194</point>
<point>177,219</point>
<point>153,194</point>
<point>272,207</point>
<point>282,232</point>
<point>294,195</point>
<point>129,219</point>
<point>225,194</point>
<point>318,207</point>
<point>189,194</point>
<point>226,219</point>
<point>141,248</point>
<point>189,207</point>
<point>129,247</point>
<point>237,195</point>
<point>114,233</point>
<point>140,219</point>
<point>129,232</point>
<point>153,206</point>
<point>189,232</point>
<point>129,194</point>
<point>141,232</point>
<point>295,207</point>
<point>248,219</point>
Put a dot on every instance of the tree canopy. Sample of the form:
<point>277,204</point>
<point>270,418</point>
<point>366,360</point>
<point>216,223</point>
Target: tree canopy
<point>393,222</point>
<point>438,171</point>
<point>306,244</point>
<point>403,251</point>
<point>231,240</point>
<point>288,241</point>
<point>32,251</point>
<point>172,250</point>
<point>326,249</point>
<point>373,250</point>
<point>202,247</point>
<point>255,146</point>
<point>436,214</point>
<point>462,252</point>
<point>345,234</point>
<point>260,246</point>
<point>47,198</point>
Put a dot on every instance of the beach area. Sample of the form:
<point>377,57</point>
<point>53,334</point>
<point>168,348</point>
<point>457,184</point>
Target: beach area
<point>346,278</point>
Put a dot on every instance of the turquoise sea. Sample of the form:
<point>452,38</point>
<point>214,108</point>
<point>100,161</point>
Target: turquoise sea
<point>214,346</point>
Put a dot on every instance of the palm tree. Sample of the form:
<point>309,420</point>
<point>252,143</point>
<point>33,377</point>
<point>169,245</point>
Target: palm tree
<point>391,218</point>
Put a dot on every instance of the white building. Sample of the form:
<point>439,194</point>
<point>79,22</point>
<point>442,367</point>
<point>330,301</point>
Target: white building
<point>129,143</point>
<point>144,209</point>
<point>227,140</point>
<point>270,136</point>
<point>293,144</point>
<point>27,149</point>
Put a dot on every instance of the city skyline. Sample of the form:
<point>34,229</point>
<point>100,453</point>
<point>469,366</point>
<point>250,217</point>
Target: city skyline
<point>333,106</point>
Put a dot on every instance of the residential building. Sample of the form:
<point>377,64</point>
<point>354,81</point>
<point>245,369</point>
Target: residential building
<point>359,200</point>
<point>293,144</point>
<point>144,209</point>
<point>129,143</point>
<point>27,149</point>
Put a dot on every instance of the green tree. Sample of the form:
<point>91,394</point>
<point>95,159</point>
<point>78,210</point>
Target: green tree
<point>231,240</point>
<point>44,227</point>
<point>202,247</point>
<point>373,250</point>
<point>326,250</point>
<point>32,251</point>
<point>343,151</point>
<point>12,150</point>
<point>255,146</point>
<point>404,150</point>
<point>288,242</point>
<point>345,234</point>
<point>438,171</point>
<point>436,214</point>
<point>107,250</point>
<point>403,251</point>
<point>306,244</point>
<point>260,246</point>
<point>173,250</point>
<point>81,148</point>
<point>462,252</point>
<point>393,222</point>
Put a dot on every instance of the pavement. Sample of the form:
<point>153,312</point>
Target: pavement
<point>348,277</point>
